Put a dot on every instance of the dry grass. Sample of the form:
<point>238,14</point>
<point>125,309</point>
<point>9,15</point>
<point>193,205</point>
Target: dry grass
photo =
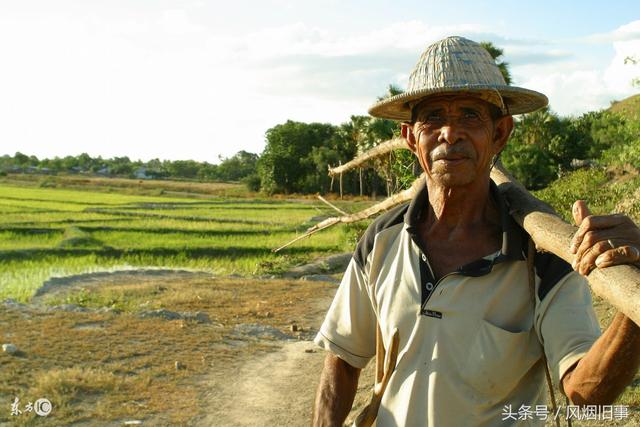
<point>107,367</point>
<point>132,186</point>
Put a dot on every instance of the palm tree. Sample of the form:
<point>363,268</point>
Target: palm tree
<point>496,53</point>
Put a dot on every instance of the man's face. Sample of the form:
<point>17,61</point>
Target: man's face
<point>455,138</point>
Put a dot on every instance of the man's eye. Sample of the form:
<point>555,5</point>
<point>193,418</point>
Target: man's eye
<point>433,117</point>
<point>470,114</point>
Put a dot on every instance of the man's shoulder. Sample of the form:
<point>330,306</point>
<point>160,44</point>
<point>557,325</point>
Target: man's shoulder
<point>384,222</point>
<point>551,269</point>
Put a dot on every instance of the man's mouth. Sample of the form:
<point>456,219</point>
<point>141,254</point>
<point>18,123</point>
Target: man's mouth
<point>451,158</point>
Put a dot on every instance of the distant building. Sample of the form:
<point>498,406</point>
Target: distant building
<point>104,171</point>
<point>141,173</point>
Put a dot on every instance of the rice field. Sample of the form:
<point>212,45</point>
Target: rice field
<point>55,232</point>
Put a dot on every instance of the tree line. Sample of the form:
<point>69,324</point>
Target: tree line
<point>233,168</point>
<point>297,155</point>
<point>542,148</point>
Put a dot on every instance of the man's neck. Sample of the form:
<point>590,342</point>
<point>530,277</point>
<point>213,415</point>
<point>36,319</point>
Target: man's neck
<point>455,210</point>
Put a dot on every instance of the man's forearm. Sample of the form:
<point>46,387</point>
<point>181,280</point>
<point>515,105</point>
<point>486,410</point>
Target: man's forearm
<point>337,389</point>
<point>604,372</point>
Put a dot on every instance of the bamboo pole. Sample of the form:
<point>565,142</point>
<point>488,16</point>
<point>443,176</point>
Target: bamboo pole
<point>386,204</point>
<point>378,150</point>
<point>331,205</point>
<point>619,285</point>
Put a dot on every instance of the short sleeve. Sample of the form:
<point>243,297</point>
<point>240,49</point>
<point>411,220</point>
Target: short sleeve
<point>567,324</point>
<point>349,329</point>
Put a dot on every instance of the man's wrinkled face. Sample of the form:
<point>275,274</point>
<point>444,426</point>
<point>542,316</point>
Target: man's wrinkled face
<point>455,139</point>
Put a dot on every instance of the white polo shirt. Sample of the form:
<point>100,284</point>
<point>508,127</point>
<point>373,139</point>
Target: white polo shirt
<point>469,341</point>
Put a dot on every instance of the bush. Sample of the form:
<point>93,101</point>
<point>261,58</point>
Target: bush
<point>530,164</point>
<point>252,182</point>
<point>353,232</point>
<point>590,185</point>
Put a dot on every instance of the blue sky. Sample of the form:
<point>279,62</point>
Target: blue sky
<point>193,79</point>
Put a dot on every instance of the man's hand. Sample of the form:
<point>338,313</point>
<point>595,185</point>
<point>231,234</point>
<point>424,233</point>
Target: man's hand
<point>603,241</point>
<point>613,360</point>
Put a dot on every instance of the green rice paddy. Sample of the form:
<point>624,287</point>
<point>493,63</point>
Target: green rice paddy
<point>53,232</point>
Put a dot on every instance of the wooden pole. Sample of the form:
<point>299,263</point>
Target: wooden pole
<point>360,173</point>
<point>375,152</point>
<point>323,200</point>
<point>340,186</point>
<point>331,185</point>
<point>619,285</point>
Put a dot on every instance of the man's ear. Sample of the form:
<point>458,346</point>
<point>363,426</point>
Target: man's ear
<point>406,130</point>
<point>502,132</point>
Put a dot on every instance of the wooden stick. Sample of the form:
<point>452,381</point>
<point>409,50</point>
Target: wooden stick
<point>383,374</point>
<point>380,149</point>
<point>386,204</point>
<point>619,285</point>
<point>322,199</point>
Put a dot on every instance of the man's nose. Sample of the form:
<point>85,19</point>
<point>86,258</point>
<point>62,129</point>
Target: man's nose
<point>449,132</point>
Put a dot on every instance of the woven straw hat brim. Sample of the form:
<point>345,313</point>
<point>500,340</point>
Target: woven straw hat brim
<point>517,100</point>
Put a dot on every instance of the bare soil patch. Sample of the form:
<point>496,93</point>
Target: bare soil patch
<point>105,368</point>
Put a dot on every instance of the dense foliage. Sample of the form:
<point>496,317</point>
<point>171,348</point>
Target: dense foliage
<point>297,156</point>
<point>545,146</point>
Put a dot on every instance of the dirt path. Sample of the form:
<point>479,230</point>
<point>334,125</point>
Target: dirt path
<point>276,389</point>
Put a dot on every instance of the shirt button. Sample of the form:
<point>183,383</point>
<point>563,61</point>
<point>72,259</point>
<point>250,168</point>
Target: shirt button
<point>429,286</point>
<point>424,257</point>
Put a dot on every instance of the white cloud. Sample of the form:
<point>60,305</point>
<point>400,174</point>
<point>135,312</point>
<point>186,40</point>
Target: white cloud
<point>630,31</point>
<point>162,83</point>
<point>575,85</point>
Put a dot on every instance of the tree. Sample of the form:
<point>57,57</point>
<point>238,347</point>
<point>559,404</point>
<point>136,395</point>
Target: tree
<point>285,165</point>
<point>496,53</point>
<point>238,166</point>
<point>20,159</point>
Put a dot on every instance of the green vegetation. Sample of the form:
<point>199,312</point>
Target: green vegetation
<point>52,232</point>
<point>297,155</point>
<point>602,194</point>
<point>234,168</point>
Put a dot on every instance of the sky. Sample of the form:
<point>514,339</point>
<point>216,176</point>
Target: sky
<point>194,79</point>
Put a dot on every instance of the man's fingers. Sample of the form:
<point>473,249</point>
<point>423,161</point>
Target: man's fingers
<point>585,260</point>
<point>591,224</point>
<point>620,255</point>
<point>580,211</point>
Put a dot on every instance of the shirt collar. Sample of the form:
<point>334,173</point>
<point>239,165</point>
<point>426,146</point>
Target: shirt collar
<point>512,237</point>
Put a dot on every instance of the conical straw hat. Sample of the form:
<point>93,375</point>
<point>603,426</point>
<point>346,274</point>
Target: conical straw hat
<point>457,65</point>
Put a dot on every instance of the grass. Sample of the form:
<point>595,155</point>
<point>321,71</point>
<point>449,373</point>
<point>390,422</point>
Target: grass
<point>107,367</point>
<point>131,186</point>
<point>597,187</point>
<point>50,232</point>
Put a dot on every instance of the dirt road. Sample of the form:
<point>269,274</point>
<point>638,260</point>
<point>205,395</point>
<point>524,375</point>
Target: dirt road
<point>276,388</point>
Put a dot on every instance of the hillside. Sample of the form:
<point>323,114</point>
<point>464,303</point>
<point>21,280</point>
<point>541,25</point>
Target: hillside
<point>628,107</point>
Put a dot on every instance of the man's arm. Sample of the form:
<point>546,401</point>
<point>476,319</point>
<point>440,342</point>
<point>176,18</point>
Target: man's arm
<point>609,366</point>
<point>336,391</point>
<point>613,360</point>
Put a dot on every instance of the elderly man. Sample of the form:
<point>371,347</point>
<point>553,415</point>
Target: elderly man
<point>449,272</point>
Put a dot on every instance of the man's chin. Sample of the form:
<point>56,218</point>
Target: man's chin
<point>451,179</point>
